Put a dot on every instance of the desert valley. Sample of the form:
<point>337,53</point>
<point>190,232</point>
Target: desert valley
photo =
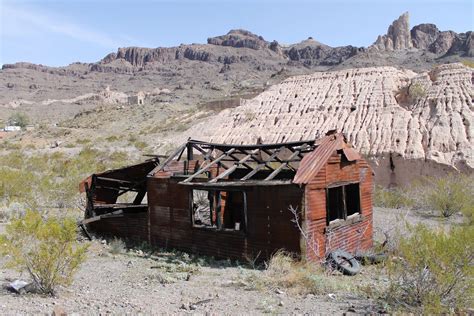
<point>401,110</point>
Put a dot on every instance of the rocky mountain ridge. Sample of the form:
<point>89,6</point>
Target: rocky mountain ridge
<point>425,37</point>
<point>240,46</point>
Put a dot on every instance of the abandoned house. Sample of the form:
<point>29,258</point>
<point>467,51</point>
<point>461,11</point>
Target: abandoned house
<point>137,99</point>
<point>240,201</point>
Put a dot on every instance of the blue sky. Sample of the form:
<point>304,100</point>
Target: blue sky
<point>58,33</point>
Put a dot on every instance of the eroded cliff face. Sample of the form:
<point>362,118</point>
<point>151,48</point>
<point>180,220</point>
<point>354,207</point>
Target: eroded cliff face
<point>395,117</point>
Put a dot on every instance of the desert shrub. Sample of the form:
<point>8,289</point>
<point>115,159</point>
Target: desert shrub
<point>112,138</point>
<point>46,181</point>
<point>416,91</point>
<point>18,119</point>
<point>140,145</point>
<point>46,248</point>
<point>432,271</point>
<point>391,198</point>
<point>450,195</point>
<point>83,141</point>
<point>116,246</point>
<point>9,211</point>
<point>468,63</point>
<point>284,272</point>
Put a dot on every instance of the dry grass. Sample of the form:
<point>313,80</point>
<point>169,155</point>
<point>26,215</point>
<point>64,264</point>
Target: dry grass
<point>295,277</point>
<point>117,246</point>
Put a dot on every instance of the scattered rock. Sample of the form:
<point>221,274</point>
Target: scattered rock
<point>59,311</point>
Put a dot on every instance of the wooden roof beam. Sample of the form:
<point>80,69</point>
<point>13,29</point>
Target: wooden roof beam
<point>209,165</point>
<point>281,167</point>
<point>233,168</point>
<point>263,164</point>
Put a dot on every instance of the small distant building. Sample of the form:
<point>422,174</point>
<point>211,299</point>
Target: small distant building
<point>12,128</point>
<point>138,99</point>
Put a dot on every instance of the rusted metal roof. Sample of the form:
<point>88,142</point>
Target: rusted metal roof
<point>134,173</point>
<point>351,154</point>
<point>298,162</point>
<point>314,161</point>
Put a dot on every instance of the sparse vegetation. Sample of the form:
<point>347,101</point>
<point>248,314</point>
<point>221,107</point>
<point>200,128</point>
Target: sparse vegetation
<point>18,119</point>
<point>49,181</point>
<point>450,195</point>
<point>416,91</point>
<point>116,246</point>
<point>468,63</point>
<point>432,271</point>
<point>46,248</point>
<point>447,195</point>
<point>112,138</point>
<point>391,198</point>
<point>298,277</point>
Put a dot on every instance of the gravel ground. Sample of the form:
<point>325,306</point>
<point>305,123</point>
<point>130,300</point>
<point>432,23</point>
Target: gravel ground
<point>129,284</point>
<point>133,284</point>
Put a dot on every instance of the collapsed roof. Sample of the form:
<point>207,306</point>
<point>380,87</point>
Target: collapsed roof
<point>259,164</point>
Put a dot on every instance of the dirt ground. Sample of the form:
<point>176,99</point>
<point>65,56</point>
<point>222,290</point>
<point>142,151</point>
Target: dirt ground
<point>132,283</point>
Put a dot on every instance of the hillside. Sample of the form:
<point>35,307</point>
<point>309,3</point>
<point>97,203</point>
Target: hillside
<point>404,110</point>
<point>410,124</point>
<point>230,65</point>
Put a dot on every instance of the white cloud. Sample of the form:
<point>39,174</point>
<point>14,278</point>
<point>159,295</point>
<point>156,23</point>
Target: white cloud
<point>19,21</point>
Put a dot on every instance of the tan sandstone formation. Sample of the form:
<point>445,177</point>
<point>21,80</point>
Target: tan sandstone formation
<point>409,124</point>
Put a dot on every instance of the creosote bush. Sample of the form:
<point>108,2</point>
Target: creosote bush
<point>447,195</point>
<point>18,119</point>
<point>450,195</point>
<point>46,248</point>
<point>432,271</point>
<point>47,181</point>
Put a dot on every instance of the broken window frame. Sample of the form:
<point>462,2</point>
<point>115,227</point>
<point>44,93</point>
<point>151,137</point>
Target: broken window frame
<point>215,210</point>
<point>343,216</point>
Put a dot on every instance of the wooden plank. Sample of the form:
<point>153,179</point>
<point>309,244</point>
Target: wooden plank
<point>209,165</point>
<point>226,185</point>
<point>280,168</point>
<point>234,167</point>
<point>207,155</point>
<point>162,165</point>
<point>243,164</point>
<point>116,180</point>
<point>139,198</point>
<point>263,164</point>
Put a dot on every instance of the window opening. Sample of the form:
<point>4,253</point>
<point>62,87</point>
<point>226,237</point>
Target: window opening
<point>220,210</point>
<point>342,202</point>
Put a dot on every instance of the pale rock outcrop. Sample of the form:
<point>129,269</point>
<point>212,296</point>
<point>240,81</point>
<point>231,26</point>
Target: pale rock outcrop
<point>371,107</point>
<point>398,35</point>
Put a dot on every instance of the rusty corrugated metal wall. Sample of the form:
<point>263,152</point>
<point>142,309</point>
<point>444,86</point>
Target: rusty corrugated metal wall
<point>351,237</point>
<point>269,226</point>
